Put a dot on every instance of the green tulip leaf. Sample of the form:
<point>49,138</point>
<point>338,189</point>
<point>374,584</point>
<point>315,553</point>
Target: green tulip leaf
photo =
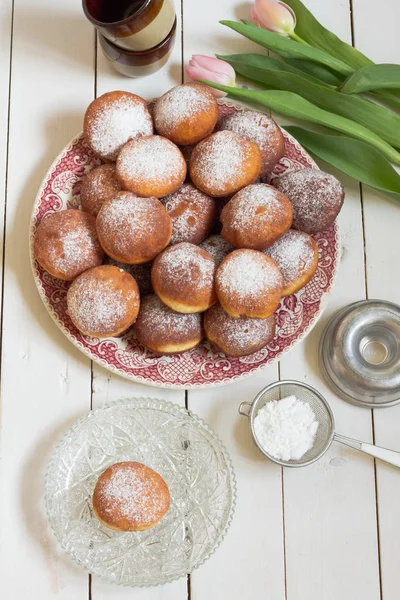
<point>311,31</point>
<point>389,97</point>
<point>268,71</point>
<point>353,157</point>
<point>294,106</point>
<point>325,75</point>
<point>288,48</point>
<point>263,61</point>
<point>372,77</point>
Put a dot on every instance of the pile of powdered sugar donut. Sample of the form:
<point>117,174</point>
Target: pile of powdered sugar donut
<point>177,209</point>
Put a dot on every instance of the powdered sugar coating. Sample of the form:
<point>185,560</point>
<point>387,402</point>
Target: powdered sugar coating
<point>317,198</point>
<point>158,327</point>
<point>295,253</point>
<point>217,247</point>
<point>130,496</point>
<point>248,284</point>
<point>185,263</point>
<point>224,163</point>
<point>237,337</point>
<point>66,244</point>
<point>192,214</point>
<point>103,301</point>
<point>97,187</point>
<point>113,119</point>
<point>256,216</point>
<point>151,166</point>
<point>133,229</point>
<point>247,275</point>
<point>261,129</point>
<point>186,113</point>
<point>183,277</point>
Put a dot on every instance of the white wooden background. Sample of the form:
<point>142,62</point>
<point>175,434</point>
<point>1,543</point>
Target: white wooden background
<point>327,532</point>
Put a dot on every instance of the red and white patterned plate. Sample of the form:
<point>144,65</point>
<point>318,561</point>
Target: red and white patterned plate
<point>202,366</point>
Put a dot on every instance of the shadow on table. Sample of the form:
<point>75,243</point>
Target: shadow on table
<point>32,506</point>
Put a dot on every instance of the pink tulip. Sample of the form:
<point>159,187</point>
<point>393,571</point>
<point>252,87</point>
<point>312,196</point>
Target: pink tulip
<point>273,15</point>
<point>212,69</point>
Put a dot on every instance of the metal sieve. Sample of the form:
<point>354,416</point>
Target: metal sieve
<point>326,430</point>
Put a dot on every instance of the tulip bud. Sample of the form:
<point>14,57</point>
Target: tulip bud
<point>212,69</point>
<point>273,15</point>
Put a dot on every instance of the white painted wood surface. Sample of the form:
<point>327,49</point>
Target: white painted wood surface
<point>330,531</point>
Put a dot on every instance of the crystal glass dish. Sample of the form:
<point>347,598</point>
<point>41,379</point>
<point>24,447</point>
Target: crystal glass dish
<point>175,443</point>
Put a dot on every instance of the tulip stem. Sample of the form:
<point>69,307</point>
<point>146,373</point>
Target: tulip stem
<point>297,38</point>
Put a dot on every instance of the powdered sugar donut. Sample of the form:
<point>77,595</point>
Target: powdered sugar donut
<point>192,213</point>
<point>186,114</point>
<point>296,254</point>
<point>259,128</point>
<point>237,337</point>
<point>151,166</point>
<point>129,496</point>
<point>317,198</point>
<point>217,247</point>
<point>66,244</point>
<point>183,278</point>
<point>97,187</point>
<point>256,217</point>
<point>133,230</point>
<point>165,331</point>
<point>248,284</point>
<point>112,120</point>
<point>103,301</point>
<point>224,163</point>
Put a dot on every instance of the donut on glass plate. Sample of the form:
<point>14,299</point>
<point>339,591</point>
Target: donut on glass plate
<point>186,114</point>
<point>97,187</point>
<point>133,230</point>
<point>296,254</point>
<point>248,284</point>
<point>66,244</point>
<point>183,278</point>
<point>140,273</point>
<point>112,120</point>
<point>256,217</point>
<point>129,496</point>
<point>165,331</point>
<point>192,213</point>
<point>237,337</point>
<point>151,166</point>
<point>217,247</point>
<point>259,128</point>
<point>317,198</point>
<point>224,163</point>
<point>103,301</point>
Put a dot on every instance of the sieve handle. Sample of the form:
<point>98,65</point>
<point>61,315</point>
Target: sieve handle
<point>390,456</point>
<point>242,409</point>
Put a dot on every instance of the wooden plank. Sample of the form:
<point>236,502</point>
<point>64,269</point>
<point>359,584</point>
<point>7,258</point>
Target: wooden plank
<point>45,380</point>
<point>251,559</point>
<point>382,222</point>
<point>106,386</point>
<point>6,10</point>
<point>330,506</point>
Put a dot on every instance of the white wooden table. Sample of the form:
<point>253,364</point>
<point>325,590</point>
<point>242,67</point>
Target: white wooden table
<point>327,532</point>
